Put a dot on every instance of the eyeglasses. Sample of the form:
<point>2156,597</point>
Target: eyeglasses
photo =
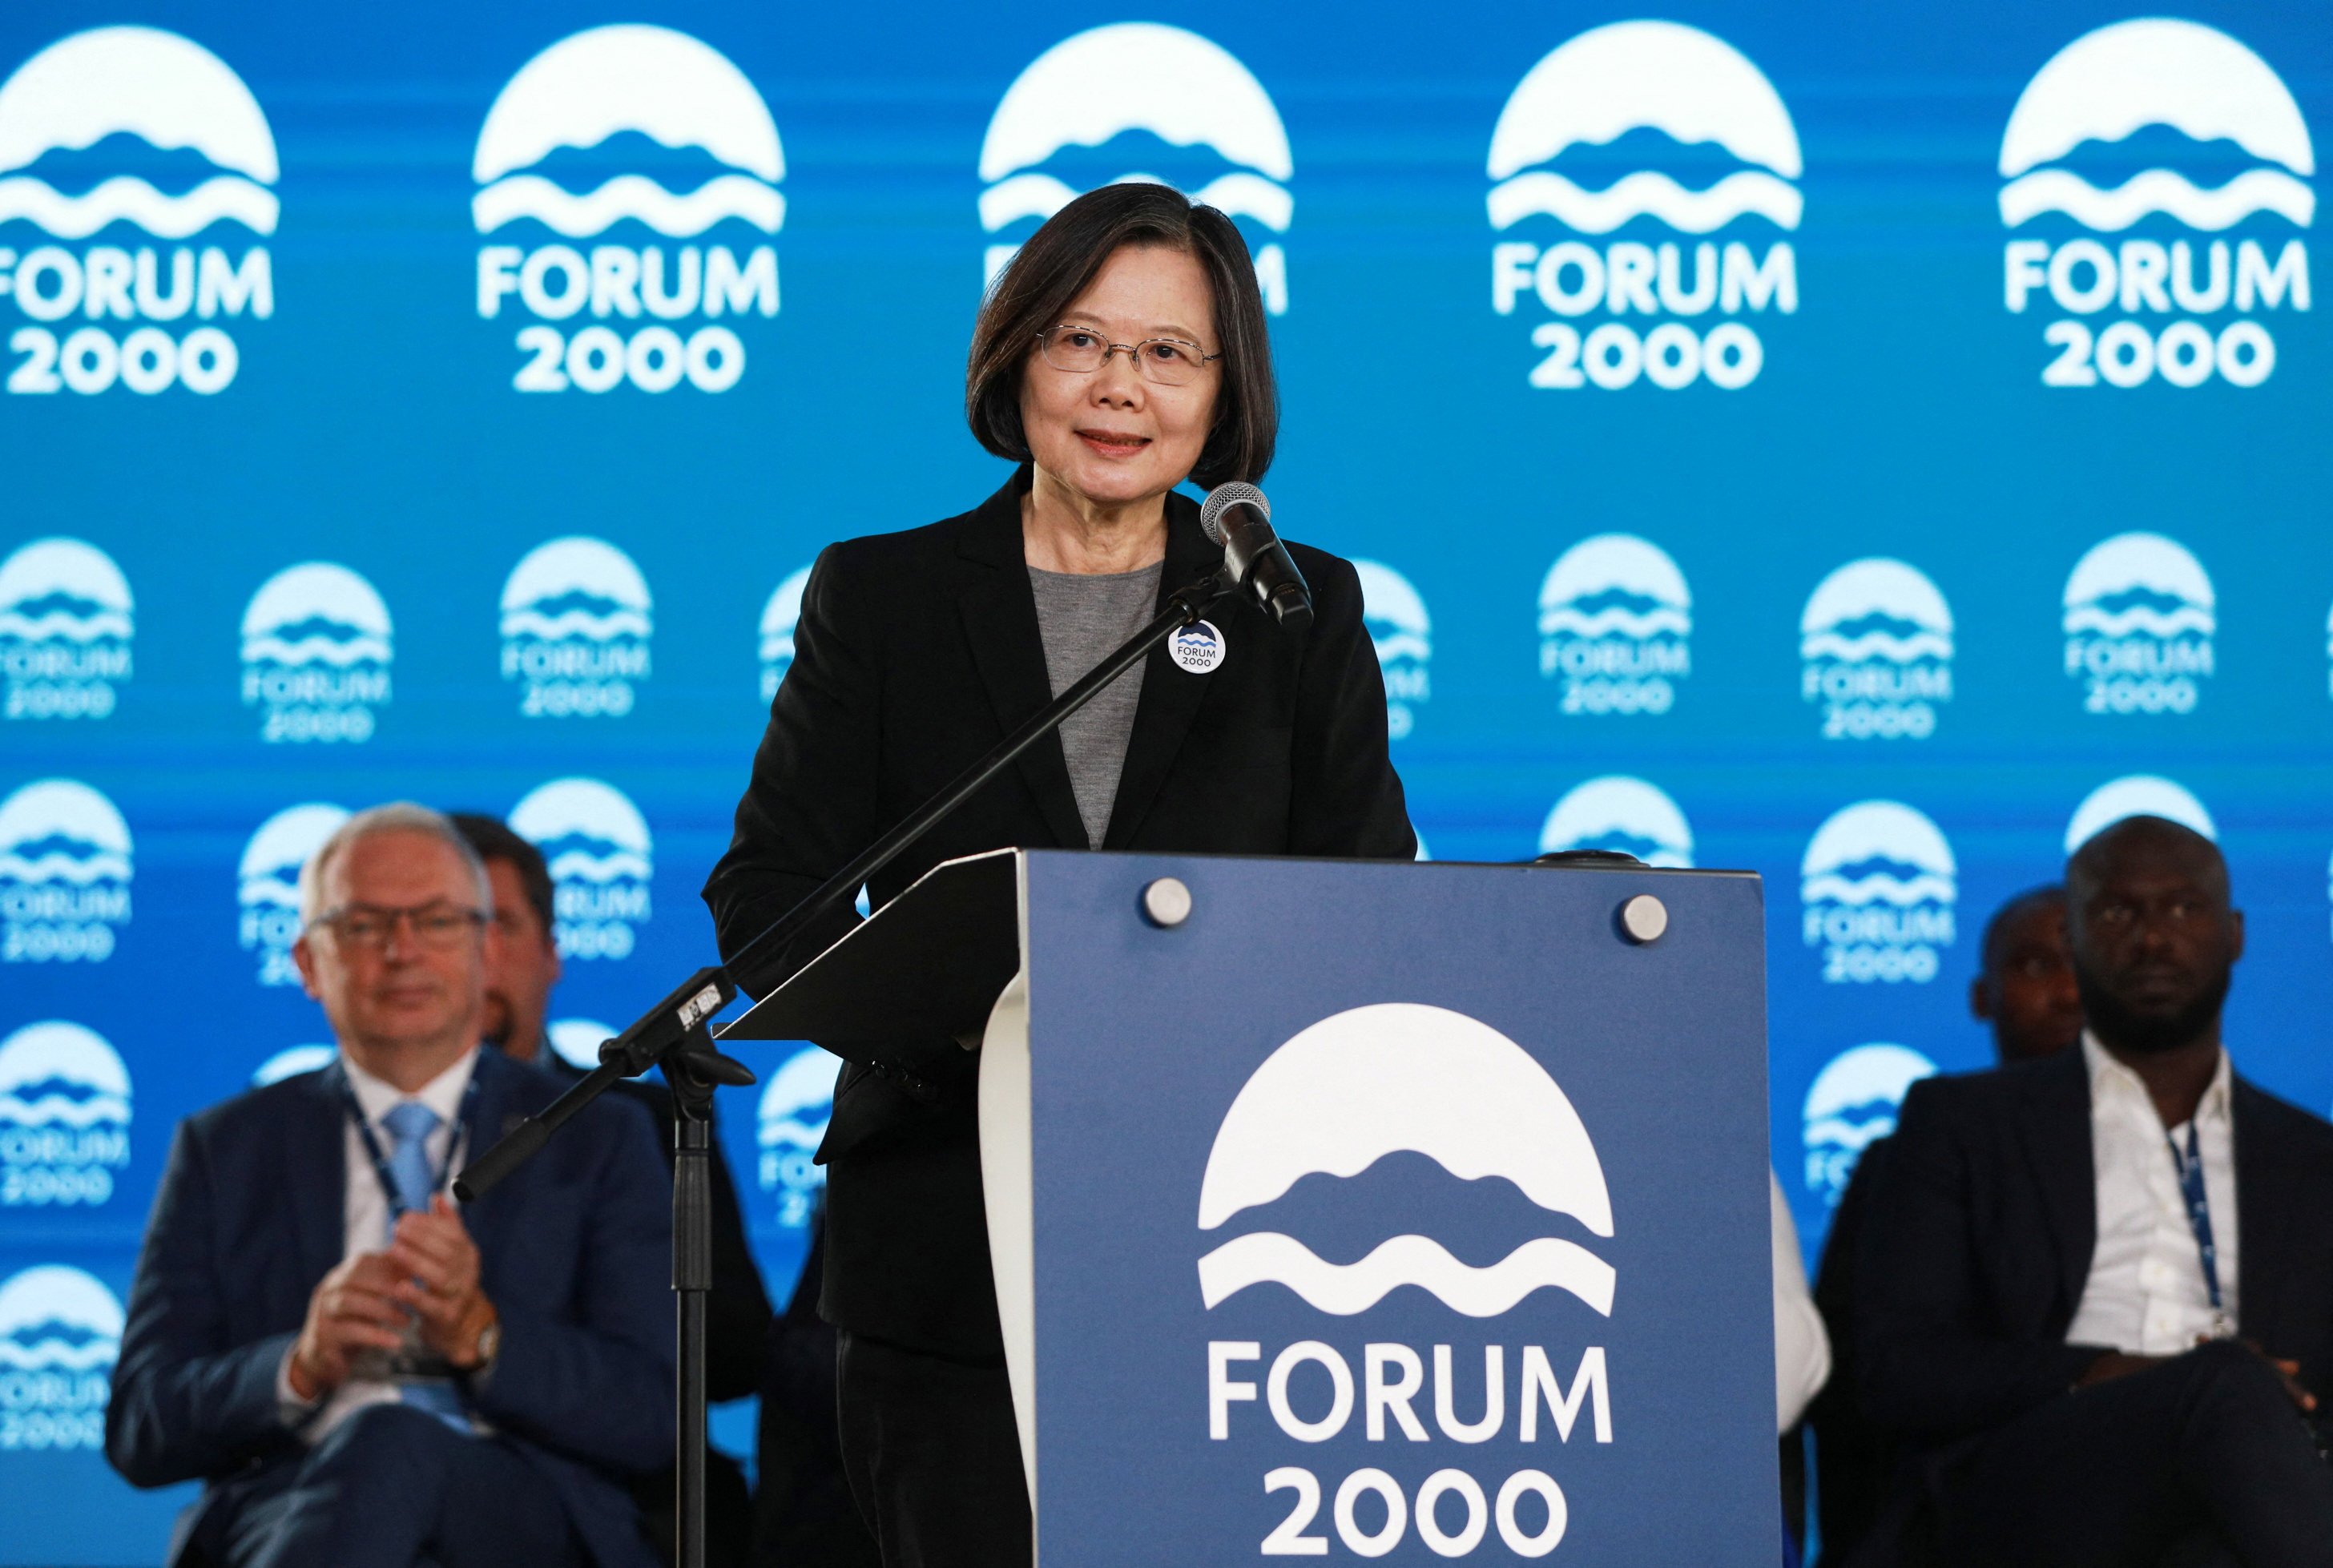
<point>368,927</point>
<point>1081,350</point>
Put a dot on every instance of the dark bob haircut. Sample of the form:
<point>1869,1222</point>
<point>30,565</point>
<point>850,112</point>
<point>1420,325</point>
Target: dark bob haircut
<point>1062,258</point>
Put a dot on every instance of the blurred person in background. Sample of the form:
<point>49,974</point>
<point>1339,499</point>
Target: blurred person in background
<point>521,970</point>
<point>362,1375</point>
<point>2095,1300</point>
<point>2025,990</point>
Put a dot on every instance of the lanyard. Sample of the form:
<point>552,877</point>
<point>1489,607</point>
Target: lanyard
<point>397,1209</point>
<point>2199,1220</point>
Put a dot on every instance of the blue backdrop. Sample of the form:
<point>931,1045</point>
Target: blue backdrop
<point>1865,447</point>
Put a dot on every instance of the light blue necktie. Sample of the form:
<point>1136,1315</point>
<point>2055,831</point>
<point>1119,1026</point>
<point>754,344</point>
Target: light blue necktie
<point>409,1124</point>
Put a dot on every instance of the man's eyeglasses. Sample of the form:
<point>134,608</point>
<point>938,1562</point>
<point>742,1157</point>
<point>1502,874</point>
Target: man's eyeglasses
<point>1081,350</point>
<point>368,927</point>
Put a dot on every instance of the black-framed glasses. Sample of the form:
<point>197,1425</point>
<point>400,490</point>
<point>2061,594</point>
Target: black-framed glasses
<point>368,927</point>
<point>1081,350</point>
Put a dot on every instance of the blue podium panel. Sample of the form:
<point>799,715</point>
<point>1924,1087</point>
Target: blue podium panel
<point>1395,1211</point>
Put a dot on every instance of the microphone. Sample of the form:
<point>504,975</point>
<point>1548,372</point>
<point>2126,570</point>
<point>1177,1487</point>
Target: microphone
<point>1237,517</point>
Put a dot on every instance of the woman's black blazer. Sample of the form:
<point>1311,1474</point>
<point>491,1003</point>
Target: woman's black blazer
<point>916,652</point>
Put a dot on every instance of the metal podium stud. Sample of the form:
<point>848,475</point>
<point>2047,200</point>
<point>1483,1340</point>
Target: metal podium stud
<point>1167,902</point>
<point>1642,919</point>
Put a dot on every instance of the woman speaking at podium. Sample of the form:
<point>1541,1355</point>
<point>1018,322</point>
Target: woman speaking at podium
<point>1121,352</point>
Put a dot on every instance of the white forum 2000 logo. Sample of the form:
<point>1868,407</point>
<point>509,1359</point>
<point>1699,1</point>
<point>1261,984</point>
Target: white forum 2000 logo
<point>2137,92</point>
<point>267,885</point>
<point>1875,645</point>
<point>1403,633</point>
<point>60,1336</point>
<point>1401,1077</point>
<point>1615,626</point>
<point>2140,617</point>
<point>1216,124</point>
<point>188,107</point>
<point>597,847</point>
<point>1634,81</point>
<point>575,624</point>
<point>316,652</point>
<point>64,631</point>
<point>1878,883</point>
<point>65,1116</point>
<point>64,873</point>
<point>554,120</point>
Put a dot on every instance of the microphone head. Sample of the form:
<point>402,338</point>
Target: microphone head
<point>1222,498</point>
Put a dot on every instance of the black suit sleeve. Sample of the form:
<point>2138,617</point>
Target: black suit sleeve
<point>1347,800</point>
<point>185,1402</point>
<point>813,800</point>
<point>1930,1365</point>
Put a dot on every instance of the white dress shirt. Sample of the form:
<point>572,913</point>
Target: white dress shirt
<point>2146,1293</point>
<point>1802,1347</point>
<point>365,1223</point>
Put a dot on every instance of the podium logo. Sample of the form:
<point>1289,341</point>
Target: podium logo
<point>575,630</point>
<point>64,875</point>
<point>1613,99</point>
<point>591,110</point>
<point>1375,1080</point>
<point>68,118</point>
<point>2136,795</point>
<point>598,848</point>
<point>64,631</point>
<point>1403,633</point>
<point>292,1060</point>
<point>1193,112</point>
<point>268,885</point>
<point>1879,883</point>
<point>60,1336</point>
<point>1851,1106</point>
<point>65,1116</point>
<point>795,1109</point>
<point>2129,103</point>
<point>316,651</point>
<point>1621,813</point>
<point>780,616</point>
<point>2139,622</point>
<point>1876,647</point>
<point>1615,625</point>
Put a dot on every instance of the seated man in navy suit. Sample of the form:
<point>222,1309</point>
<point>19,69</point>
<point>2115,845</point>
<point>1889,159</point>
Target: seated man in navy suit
<point>2095,1295</point>
<point>363,1375</point>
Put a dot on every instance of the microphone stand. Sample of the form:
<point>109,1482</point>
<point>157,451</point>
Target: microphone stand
<point>677,1034</point>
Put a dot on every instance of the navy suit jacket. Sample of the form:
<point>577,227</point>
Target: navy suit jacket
<point>574,1252</point>
<point>1977,1245</point>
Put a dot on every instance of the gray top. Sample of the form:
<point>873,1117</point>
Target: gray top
<point>1084,620</point>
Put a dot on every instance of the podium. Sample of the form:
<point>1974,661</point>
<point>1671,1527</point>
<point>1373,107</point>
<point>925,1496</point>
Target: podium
<point>1356,1209</point>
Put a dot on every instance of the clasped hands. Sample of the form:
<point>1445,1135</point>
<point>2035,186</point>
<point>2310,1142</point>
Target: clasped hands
<point>426,1280</point>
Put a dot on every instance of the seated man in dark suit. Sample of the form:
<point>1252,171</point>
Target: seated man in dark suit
<point>2024,989</point>
<point>522,968</point>
<point>2096,1292</point>
<point>364,1376</point>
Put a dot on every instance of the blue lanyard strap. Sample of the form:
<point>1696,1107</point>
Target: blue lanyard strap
<point>2199,1207</point>
<point>380,1172</point>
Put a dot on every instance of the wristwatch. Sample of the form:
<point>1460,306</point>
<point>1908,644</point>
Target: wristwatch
<point>489,1341</point>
